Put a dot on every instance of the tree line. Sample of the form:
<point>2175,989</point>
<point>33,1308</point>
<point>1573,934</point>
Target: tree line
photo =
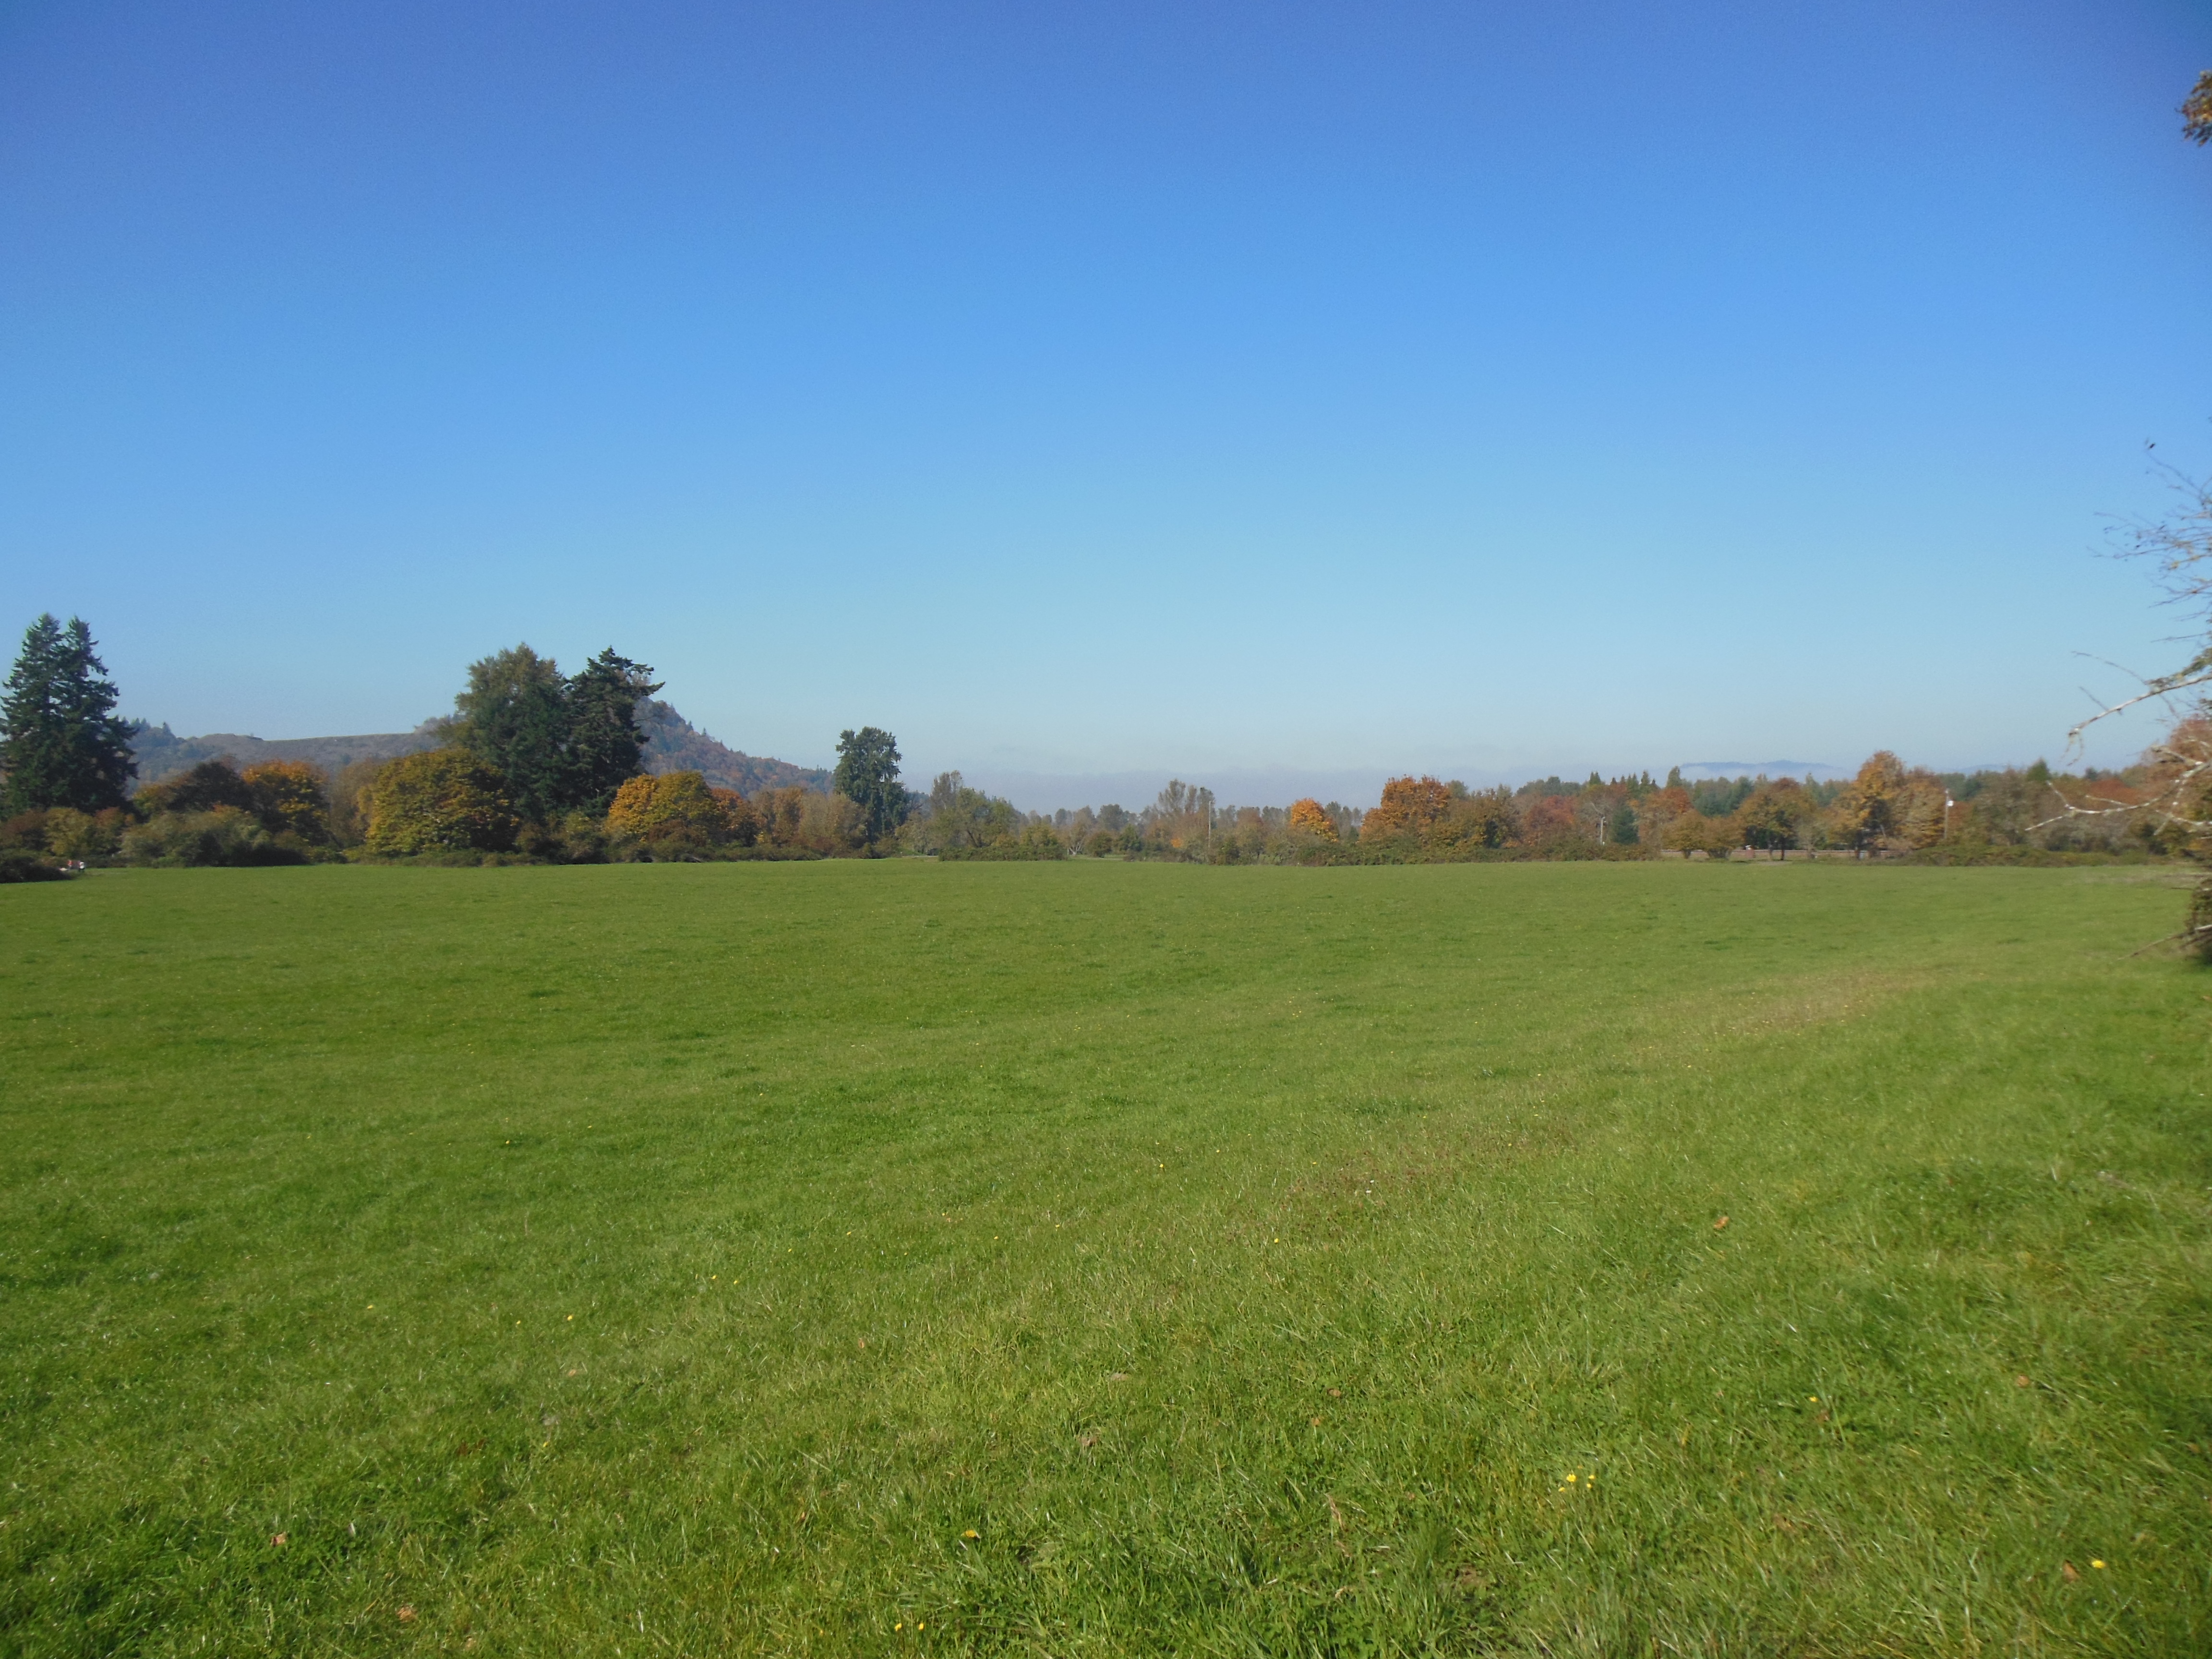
<point>536,765</point>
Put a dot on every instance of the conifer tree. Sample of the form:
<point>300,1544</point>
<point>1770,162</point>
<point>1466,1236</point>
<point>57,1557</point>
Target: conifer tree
<point>605,747</point>
<point>61,743</point>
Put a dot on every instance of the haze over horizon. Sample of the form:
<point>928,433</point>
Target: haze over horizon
<point>1268,392</point>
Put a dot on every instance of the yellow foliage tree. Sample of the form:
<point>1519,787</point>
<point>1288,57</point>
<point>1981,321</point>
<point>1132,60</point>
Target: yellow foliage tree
<point>1872,806</point>
<point>291,797</point>
<point>671,805</point>
<point>438,800</point>
<point>1307,819</point>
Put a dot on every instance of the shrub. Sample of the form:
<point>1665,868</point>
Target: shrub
<point>86,836</point>
<point>225,837</point>
<point>211,785</point>
<point>440,800</point>
<point>21,863</point>
<point>26,832</point>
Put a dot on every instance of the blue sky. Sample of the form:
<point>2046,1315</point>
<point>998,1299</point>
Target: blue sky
<point>1261,392</point>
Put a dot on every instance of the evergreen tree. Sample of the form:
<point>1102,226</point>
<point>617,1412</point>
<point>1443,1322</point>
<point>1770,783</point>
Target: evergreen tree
<point>61,743</point>
<point>605,747</point>
<point>868,776</point>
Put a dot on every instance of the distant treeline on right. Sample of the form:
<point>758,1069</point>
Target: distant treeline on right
<point>1887,810</point>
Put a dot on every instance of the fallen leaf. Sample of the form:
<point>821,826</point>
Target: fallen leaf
<point>2021,1382</point>
<point>1316,1422</point>
<point>1719,1225</point>
<point>971,1532</point>
<point>1087,1442</point>
<point>1336,1394</point>
<point>2067,1567</point>
<point>281,1540</point>
<point>406,1615</point>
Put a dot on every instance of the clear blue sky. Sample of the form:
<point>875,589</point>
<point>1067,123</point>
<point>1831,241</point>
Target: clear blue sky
<point>1313,390</point>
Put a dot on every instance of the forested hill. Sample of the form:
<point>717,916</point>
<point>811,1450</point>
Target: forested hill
<point>677,745</point>
<point>161,753</point>
<point>674,745</point>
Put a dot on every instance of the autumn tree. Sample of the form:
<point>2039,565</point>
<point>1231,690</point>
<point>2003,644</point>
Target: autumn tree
<point>291,798</point>
<point>2196,110</point>
<point>1409,805</point>
<point>1308,818</point>
<point>1774,814</point>
<point>61,743</point>
<point>737,811</point>
<point>674,806</point>
<point>440,800</point>
<point>1872,806</point>
<point>1485,817</point>
<point>1550,820</point>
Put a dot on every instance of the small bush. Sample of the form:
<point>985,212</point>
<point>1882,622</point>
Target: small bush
<point>18,864</point>
<point>86,836</point>
<point>223,838</point>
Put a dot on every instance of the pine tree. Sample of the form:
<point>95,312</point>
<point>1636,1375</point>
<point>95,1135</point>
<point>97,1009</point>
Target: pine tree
<point>604,746</point>
<point>61,743</point>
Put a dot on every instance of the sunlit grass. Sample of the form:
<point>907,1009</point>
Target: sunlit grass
<point>1095,1259</point>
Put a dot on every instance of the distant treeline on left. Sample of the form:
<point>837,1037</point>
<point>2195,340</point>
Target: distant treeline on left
<point>533,765</point>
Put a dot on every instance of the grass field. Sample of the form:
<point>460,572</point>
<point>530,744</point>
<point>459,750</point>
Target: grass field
<point>1103,1259</point>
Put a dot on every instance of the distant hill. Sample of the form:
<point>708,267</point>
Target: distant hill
<point>677,745</point>
<point>161,753</point>
<point>673,744</point>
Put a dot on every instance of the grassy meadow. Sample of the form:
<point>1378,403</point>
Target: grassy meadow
<point>1102,1259</point>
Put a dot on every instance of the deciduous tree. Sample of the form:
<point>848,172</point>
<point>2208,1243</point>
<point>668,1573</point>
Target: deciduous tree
<point>1308,818</point>
<point>1409,805</point>
<point>674,804</point>
<point>291,798</point>
<point>440,799</point>
<point>513,716</point>
<point>868,775</point>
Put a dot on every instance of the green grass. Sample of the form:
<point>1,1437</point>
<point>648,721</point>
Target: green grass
<point>688,1259</point>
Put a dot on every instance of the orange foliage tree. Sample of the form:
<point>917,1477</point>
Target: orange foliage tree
<point>1409,805</point>
<point>1307,819</point>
